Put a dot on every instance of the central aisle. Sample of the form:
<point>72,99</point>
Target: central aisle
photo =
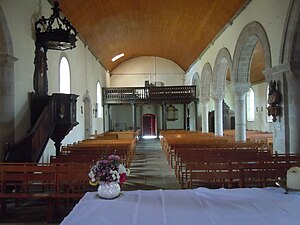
<point>149,169</point>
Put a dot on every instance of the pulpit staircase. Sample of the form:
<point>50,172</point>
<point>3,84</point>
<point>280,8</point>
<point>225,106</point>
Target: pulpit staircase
<point>51,117</point>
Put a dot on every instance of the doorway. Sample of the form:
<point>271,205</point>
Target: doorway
<point>149,125</point>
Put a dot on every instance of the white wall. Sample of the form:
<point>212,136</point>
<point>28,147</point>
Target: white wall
<point>19,16</point>
<point>85,70</point>
<point>260,102</point>
<point>134,72</point>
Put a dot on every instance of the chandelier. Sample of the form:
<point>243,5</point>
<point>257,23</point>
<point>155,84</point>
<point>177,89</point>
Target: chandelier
<point>55,32</point>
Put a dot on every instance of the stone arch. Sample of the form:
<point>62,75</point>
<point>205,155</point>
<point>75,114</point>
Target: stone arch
<point>205,82</point>
<point>248,39</point>
<point>206,79</point>
<point>250,35</point>
<point>7,96</point>
<point>196,82</point>
<point>222,63</point>
<point>194,108</point>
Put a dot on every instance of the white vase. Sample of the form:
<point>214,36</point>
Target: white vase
<point>109,190</point>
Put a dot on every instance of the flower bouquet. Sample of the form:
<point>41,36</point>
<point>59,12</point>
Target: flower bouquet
<point>108,170</point>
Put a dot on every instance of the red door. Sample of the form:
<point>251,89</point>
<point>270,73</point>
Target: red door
<point>149,125</point>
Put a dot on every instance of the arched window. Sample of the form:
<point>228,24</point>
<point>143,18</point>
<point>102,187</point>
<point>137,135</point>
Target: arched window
<point>99,100</point>
<point>64,76</point>
<point>250,105</point>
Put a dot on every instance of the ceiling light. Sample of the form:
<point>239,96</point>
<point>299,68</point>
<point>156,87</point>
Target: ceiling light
<point>117,57</point>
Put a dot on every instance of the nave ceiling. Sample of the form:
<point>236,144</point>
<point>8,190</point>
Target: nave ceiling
<point>178,30</point>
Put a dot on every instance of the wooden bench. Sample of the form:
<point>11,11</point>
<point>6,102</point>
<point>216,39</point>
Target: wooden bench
<point>124,147</point>
<point>238,171</point>
<point>189,160</point>
<point>24,181</point>
<point>48,182</point>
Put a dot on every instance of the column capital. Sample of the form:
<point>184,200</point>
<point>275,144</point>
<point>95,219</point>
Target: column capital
<point>204,99</point>
<point>277,71</point>
<point>240,88</point>
<point>218,96</point>
<point>5,59</point>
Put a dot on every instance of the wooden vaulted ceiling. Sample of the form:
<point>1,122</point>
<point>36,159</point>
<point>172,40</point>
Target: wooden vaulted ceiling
<point>178,30</point>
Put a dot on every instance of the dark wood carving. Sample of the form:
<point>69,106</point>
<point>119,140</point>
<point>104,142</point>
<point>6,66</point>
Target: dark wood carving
<point>40,79</point>
<point>65,117</point>
<point>56,120</point>
<point>274,100</point>
<point>169,94</point>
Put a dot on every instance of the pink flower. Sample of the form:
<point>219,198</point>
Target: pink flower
<point>108,170</point>
<point>122,178</point>
<point>114,157</point>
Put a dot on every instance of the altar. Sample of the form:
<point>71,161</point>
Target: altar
<point>201,206</point>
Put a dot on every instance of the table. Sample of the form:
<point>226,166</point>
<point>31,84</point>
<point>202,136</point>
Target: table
<point>201,206</point>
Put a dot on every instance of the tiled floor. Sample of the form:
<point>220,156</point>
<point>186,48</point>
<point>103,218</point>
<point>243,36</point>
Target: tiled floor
<point>149,171</point>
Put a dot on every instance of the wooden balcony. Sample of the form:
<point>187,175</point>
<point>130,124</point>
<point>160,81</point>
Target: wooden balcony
<point>165,94</point>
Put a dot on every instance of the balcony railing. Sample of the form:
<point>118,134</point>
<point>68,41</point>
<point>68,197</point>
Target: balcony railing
<point>168,94</point>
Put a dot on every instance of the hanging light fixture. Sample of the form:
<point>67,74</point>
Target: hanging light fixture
<point>56,32</point>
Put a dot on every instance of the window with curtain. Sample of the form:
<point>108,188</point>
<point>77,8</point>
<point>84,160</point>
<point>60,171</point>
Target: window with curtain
<point>64,76</point>
<point>250,105</point>
<point>99,100</point>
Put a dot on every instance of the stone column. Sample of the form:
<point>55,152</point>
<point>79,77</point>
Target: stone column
<point>108,117</point>
<point>7,99</point>
<point>218,99</point>
<point>164,116</point>
<point>103,116</point>
<point>281,141</point>
<point>196,115</point>
<point>218,117</point>
<point>192,116</point>
<point>133,105</point>
<point>240,90</point>
<point>290,108</point>
<point>204,102</point>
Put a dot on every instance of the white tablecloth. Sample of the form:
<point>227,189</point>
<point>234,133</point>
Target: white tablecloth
<point>202,206</point>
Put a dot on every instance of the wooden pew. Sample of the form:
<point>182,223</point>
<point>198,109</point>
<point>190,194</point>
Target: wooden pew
<point>125,148</point>
<point>72,182</point>
<point>49,182</point>
<point>23,181</point>
<point>260,171</point>
<point>90,154</point>
<point>186,168</point>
